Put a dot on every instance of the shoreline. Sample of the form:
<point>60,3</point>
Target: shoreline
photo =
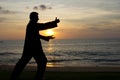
<point>68,69</point>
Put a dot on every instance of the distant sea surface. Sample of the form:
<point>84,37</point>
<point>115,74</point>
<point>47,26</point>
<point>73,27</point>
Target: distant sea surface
<point>67,52</point>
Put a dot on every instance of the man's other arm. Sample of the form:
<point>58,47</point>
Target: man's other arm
<point>46,38</point>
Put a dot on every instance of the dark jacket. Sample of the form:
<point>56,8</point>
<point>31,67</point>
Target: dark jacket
<point>32,43</point>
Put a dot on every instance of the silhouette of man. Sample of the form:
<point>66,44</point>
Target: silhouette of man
<point>33,47</point>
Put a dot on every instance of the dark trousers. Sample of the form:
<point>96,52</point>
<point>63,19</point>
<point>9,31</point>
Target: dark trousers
<point>41,61</point>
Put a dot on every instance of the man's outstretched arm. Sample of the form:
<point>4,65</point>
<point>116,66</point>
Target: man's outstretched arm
<point>48,25</point>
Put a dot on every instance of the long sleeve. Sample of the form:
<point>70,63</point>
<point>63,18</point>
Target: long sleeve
<point>48,25</point>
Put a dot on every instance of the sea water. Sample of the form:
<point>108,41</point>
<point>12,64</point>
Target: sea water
<point>67,52</point>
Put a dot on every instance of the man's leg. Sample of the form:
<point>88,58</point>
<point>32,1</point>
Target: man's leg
<point>41,61</point>
<point>20,66</point>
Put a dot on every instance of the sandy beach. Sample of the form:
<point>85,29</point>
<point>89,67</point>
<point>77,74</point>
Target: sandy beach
<point>65,73</point>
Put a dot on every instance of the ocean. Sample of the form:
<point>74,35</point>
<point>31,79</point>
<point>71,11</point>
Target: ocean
<point>67,52</point>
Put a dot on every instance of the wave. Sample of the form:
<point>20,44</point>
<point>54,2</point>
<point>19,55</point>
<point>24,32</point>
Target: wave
<point>83,53</point>
<point>63,60</point>
<point>8,53</point>
<point>76,57</point>
<point>106,60</point>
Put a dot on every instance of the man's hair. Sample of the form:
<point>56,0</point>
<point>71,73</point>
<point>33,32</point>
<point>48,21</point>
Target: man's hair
<point>33,15</point>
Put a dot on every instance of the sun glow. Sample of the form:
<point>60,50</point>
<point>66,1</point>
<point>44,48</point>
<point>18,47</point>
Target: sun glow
<point>50,32</point>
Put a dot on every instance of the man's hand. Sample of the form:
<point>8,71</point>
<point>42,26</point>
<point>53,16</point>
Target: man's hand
<point>57,20</point>
<point>50,37</point>
<point>47,38</point>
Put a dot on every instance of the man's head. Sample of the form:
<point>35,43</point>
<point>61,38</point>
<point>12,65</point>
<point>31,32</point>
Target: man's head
<point>34,16</point>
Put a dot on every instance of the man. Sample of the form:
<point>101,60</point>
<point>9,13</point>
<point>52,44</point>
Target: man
<point>33,47</point>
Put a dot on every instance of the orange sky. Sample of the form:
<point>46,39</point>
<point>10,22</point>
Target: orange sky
<point>79,18</point>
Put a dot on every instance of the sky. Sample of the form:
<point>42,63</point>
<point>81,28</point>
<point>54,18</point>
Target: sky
<point>80,19</point>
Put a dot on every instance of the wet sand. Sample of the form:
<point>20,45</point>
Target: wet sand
<point>68,69</point>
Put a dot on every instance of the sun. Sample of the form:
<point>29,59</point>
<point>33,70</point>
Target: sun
<point>50,32</point>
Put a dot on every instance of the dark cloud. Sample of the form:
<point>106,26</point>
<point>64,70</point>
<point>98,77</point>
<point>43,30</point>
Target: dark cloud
<point>35,7</point>
<point>2,19</point>
<point>5,11</point>
<point>41,7</point>
<point>8,12</point>
<point>0,7</point>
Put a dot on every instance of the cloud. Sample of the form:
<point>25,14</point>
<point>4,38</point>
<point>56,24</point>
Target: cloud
<point>5,11</point>
<point>105,26</point>
<point>2,19</point>
<point>41,7</point>
<point>1,7</point>
<point>35,7</point>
